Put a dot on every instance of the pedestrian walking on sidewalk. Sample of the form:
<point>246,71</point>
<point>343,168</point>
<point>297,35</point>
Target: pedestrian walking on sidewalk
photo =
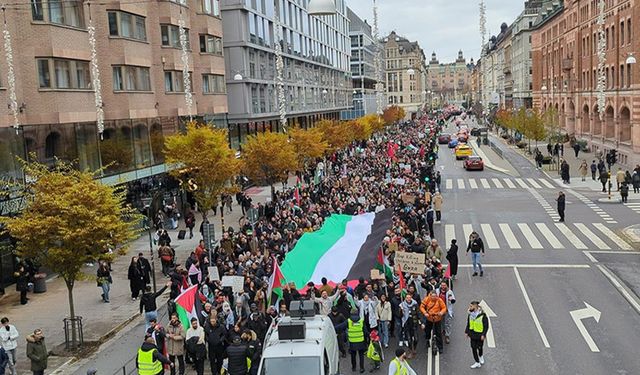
<point>4,360</point>
<point>624,192</point>
<point>584,170</point>
<point>594,169</point>
<point>538,159</point>
<point>477,248</point>
<point>635,180</point>
<point>604,178</point>
<point>37,352</point>
<point>620,176</point>
<point>564,172</point>
<point>476,331</point>
<point>9,341</point>
<point>22,283</point>
<point>136,278</point>
<point>561,205</point>
<point>576,148</point>
<point>104,280</point>
<point>148,304</point>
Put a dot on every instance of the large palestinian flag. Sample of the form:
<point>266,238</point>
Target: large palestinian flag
<point>188,305</point>
<point>346,247</point>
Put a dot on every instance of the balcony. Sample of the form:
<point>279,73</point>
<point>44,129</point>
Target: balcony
<point>567,64</point>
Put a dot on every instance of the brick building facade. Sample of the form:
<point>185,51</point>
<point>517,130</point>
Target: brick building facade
<point>565,64</point>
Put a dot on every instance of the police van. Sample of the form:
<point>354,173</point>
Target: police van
<point>303,343</point>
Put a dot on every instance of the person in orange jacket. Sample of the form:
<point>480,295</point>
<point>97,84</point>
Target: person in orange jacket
<point>433,309</point>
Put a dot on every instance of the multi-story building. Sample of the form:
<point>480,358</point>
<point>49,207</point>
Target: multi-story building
<point>521,70</point>
<point>565,72</point>
<point>404,65</point>
<point>139,57</point>
<point>315,50</point>
<point>448,82</point>
<point>363,50</point>
<point>496,81</point>
<point>476,82</point>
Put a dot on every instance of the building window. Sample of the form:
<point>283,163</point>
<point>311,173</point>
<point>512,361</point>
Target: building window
<point>67,74</point>
<point>127,25</point>
<point>171,36</point>
<point>213,84</point>
<point>210,44</point>
<point>173,81</point>
<point>211,7</point>
<point>63,12</point>
<point>131,78</point>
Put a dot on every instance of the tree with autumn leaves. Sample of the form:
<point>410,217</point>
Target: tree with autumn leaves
<point>202,157</point>
<point>268,158</point>
<point>393,114</point>
<point>70,219</point>
<point>308,144</point>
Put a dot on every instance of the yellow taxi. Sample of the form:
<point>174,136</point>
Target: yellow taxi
<point>463,151</point>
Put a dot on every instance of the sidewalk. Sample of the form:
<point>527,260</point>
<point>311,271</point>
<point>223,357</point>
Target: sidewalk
<point>491,159</point>
<point>101,320</point>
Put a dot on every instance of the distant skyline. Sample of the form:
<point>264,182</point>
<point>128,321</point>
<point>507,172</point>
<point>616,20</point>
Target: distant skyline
<point>443,26</point>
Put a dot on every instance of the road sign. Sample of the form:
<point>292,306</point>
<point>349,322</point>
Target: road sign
<point>578,316</point>
<point>209,235</point>
<point>491,340</point>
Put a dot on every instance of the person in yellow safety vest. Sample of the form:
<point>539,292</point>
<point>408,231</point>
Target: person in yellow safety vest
<point>477,326</point>
<point>399,365</point>
<point>149,360</point>
<point>374,352</point>
<point>356,337</point>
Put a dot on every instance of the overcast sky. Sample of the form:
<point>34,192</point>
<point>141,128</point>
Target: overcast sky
<point>443,26</point>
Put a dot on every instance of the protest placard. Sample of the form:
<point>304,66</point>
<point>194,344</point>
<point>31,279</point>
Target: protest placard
<point>235,282</point>
<point>410,262</point>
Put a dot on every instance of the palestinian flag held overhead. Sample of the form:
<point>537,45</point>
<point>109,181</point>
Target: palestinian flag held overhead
<point>382,264</point>
<point>346,247</point>
<point>188,306</point>
<point>276,282</point>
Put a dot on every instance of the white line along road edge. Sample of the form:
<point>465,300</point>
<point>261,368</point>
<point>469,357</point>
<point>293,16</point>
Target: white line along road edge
<point>491,339</point>
<point>531,310</point>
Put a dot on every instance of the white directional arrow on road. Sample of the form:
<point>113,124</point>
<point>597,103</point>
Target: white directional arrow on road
<point>578,316</point>
<point>491,340</point>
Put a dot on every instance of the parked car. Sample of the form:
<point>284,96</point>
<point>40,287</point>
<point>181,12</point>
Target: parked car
<point>463,151</point>
<point>477,131</point>
<point>474,162</point>
<point>443,139</point>
<point>453,143</point>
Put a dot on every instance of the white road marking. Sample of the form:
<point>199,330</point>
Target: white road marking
<point>472,183</point>
<point>612,236</point>
<point>430,360</point>
<point>491,340</point>
<point>546,233</point>
<point>573,239</point>
<point>449,184</point>
<point>592,236</point>
<point>449,233</point>
<point>618,286</point>
<point>528,234</point>
<point>492,242</point>
<point>485,183</point>
<point>521,183</point>
<point>467,229</point>
<point>460,183</point>
<point>511,265</point>
<point>578,316</point>
<point>546,183</point>
<point>497,183</point>
<point>534,183</point>
<point>591,257</point>
<point>531,310</point>
<point>510,237</point>
<point>509,183</point>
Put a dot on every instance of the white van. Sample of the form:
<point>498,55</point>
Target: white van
<point>301,345</point>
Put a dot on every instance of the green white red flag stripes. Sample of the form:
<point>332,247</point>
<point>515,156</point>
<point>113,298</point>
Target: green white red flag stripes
<point>382,265</point>
<point>188,305</point>
<point>346,247</point>
<point>276,282</point>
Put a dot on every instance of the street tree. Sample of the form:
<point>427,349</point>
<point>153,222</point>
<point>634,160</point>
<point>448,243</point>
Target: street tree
<point>268,158</point>
<point>361,130</point>
<point>535,126</point>
<point>308,144</point>
<point>373,121</point>
<point>552,124</point>
<point>205,163</point>
<point>336,133</point>
<point>392,114</point>
<point>504,119</point>
<point>70,219</point>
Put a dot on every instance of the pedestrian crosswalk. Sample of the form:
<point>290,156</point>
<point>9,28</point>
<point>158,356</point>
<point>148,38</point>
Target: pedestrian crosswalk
<point>599,211</point>
<point>538,236</point>
<point>496,183</point>
<point>635,206</point>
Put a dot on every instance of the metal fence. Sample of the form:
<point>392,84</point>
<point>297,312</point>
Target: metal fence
<point>495,148</point>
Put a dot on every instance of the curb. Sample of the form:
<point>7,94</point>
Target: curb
<point>633,234</point>
<point>486,160</point>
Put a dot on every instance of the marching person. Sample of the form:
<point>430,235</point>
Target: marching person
<point>399,365</point>
<point>452,257</point>
<point>433,308</point>
<point>8,340</point>
<point>148,304</point>
<point>175,343</point>
<point>374,352</point>
<point>437,205</point>
<point>476,330</point>
<point>477,247</point>
<point>449,299</point>
<point>561,205</point>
